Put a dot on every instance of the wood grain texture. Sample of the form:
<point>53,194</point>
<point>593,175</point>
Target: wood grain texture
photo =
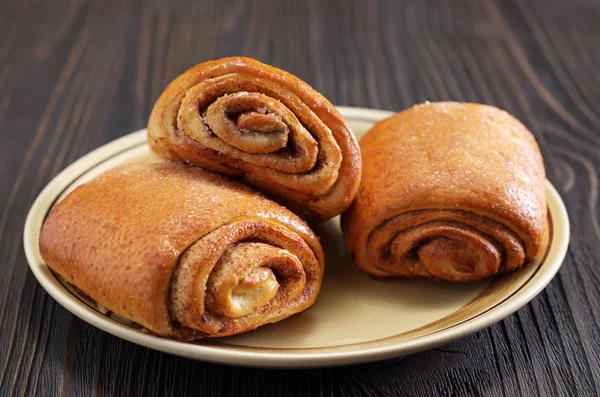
<point>76,74</point>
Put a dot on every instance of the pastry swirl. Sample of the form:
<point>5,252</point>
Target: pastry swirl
<point>182,251</point>
<point>242,118</point>
<point>450,191</point>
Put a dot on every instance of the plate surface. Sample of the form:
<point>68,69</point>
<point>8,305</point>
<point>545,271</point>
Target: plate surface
<point>356,319</point>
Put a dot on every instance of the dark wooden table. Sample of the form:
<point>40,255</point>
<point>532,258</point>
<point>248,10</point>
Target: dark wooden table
<point>77,74</point>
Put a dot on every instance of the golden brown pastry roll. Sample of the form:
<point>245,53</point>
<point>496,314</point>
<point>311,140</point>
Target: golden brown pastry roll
<point>182,251</point>
<point>452,191</point>
<point>242,118</point>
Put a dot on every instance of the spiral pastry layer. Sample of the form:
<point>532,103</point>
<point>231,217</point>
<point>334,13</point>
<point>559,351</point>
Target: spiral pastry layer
<point>242,118</point>
<point>182,251</point>
<point>450,191</point>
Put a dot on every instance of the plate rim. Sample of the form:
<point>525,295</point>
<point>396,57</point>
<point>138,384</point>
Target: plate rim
<point>283,358</point>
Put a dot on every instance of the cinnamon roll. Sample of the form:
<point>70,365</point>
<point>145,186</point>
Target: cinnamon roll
<point>239,117</point>
<point>452,191</point>
<point>182,251</point>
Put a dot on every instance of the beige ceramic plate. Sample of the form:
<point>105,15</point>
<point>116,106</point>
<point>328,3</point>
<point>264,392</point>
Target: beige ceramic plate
<point>356,319</point>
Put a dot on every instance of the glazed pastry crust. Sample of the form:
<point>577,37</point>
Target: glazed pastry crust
<point>440,181</point>
<point>143,241</point>
<point>240,117</point>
